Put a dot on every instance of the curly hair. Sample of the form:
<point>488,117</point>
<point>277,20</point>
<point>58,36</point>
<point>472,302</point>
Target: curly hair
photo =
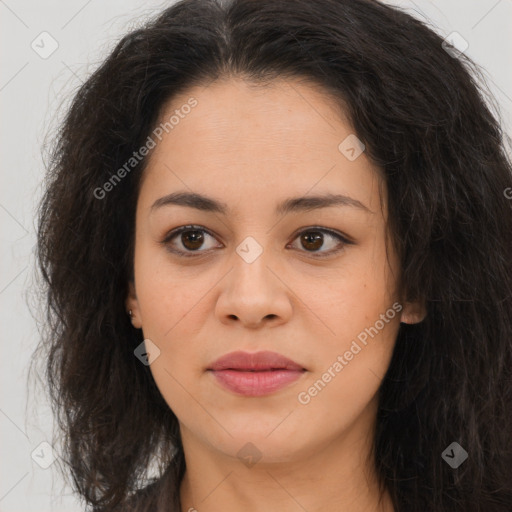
<point>425,121</point>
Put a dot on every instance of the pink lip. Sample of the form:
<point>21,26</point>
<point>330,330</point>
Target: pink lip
<point>255,374</point>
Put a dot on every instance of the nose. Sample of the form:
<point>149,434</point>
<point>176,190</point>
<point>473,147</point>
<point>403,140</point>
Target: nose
<point>253,295</point>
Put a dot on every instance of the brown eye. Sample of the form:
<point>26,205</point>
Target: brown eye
<point>312,240</point>
<point>320,242</point>
<point>192,240</point>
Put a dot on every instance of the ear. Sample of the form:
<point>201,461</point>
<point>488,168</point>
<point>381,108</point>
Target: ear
<point>132,304</point>
<point>413,312</point>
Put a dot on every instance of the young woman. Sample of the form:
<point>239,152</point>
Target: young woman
<point>276,245</point>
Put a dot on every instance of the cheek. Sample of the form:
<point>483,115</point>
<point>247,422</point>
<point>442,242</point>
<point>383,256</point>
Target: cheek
<point>173,303</point>
<point>168,296</point>
<point>351,365</point>
<point>363,315</point>
<point>356,297</point>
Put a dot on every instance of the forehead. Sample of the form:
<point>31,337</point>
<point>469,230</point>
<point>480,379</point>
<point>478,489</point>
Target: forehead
<point>246,139</point>
<point>284,117</point>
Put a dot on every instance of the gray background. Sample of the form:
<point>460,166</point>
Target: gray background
<point>31,90</point>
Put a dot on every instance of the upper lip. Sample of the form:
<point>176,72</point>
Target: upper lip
<point>254,361</point>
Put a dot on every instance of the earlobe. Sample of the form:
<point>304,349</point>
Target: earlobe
<point>132,306</point>
<point>413,312</point>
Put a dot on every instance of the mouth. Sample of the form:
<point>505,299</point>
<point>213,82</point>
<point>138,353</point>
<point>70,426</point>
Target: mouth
<point>255,374</point>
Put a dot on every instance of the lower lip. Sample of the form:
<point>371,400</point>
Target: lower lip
<point>259,383</point>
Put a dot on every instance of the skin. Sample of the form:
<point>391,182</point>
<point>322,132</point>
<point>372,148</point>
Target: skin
<point>251,148</point>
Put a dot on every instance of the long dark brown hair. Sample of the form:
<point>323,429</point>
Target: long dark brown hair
<point>422,114</point>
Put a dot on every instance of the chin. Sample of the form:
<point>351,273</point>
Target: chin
<point>260,450</point>
<point>267,444</point>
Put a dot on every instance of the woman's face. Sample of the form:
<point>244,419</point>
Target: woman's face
<point>263,269</point>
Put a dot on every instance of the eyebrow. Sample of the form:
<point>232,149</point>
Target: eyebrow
<point>291,205</point>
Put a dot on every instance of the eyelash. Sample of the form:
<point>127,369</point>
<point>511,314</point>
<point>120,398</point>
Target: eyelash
<point>191,254</point>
